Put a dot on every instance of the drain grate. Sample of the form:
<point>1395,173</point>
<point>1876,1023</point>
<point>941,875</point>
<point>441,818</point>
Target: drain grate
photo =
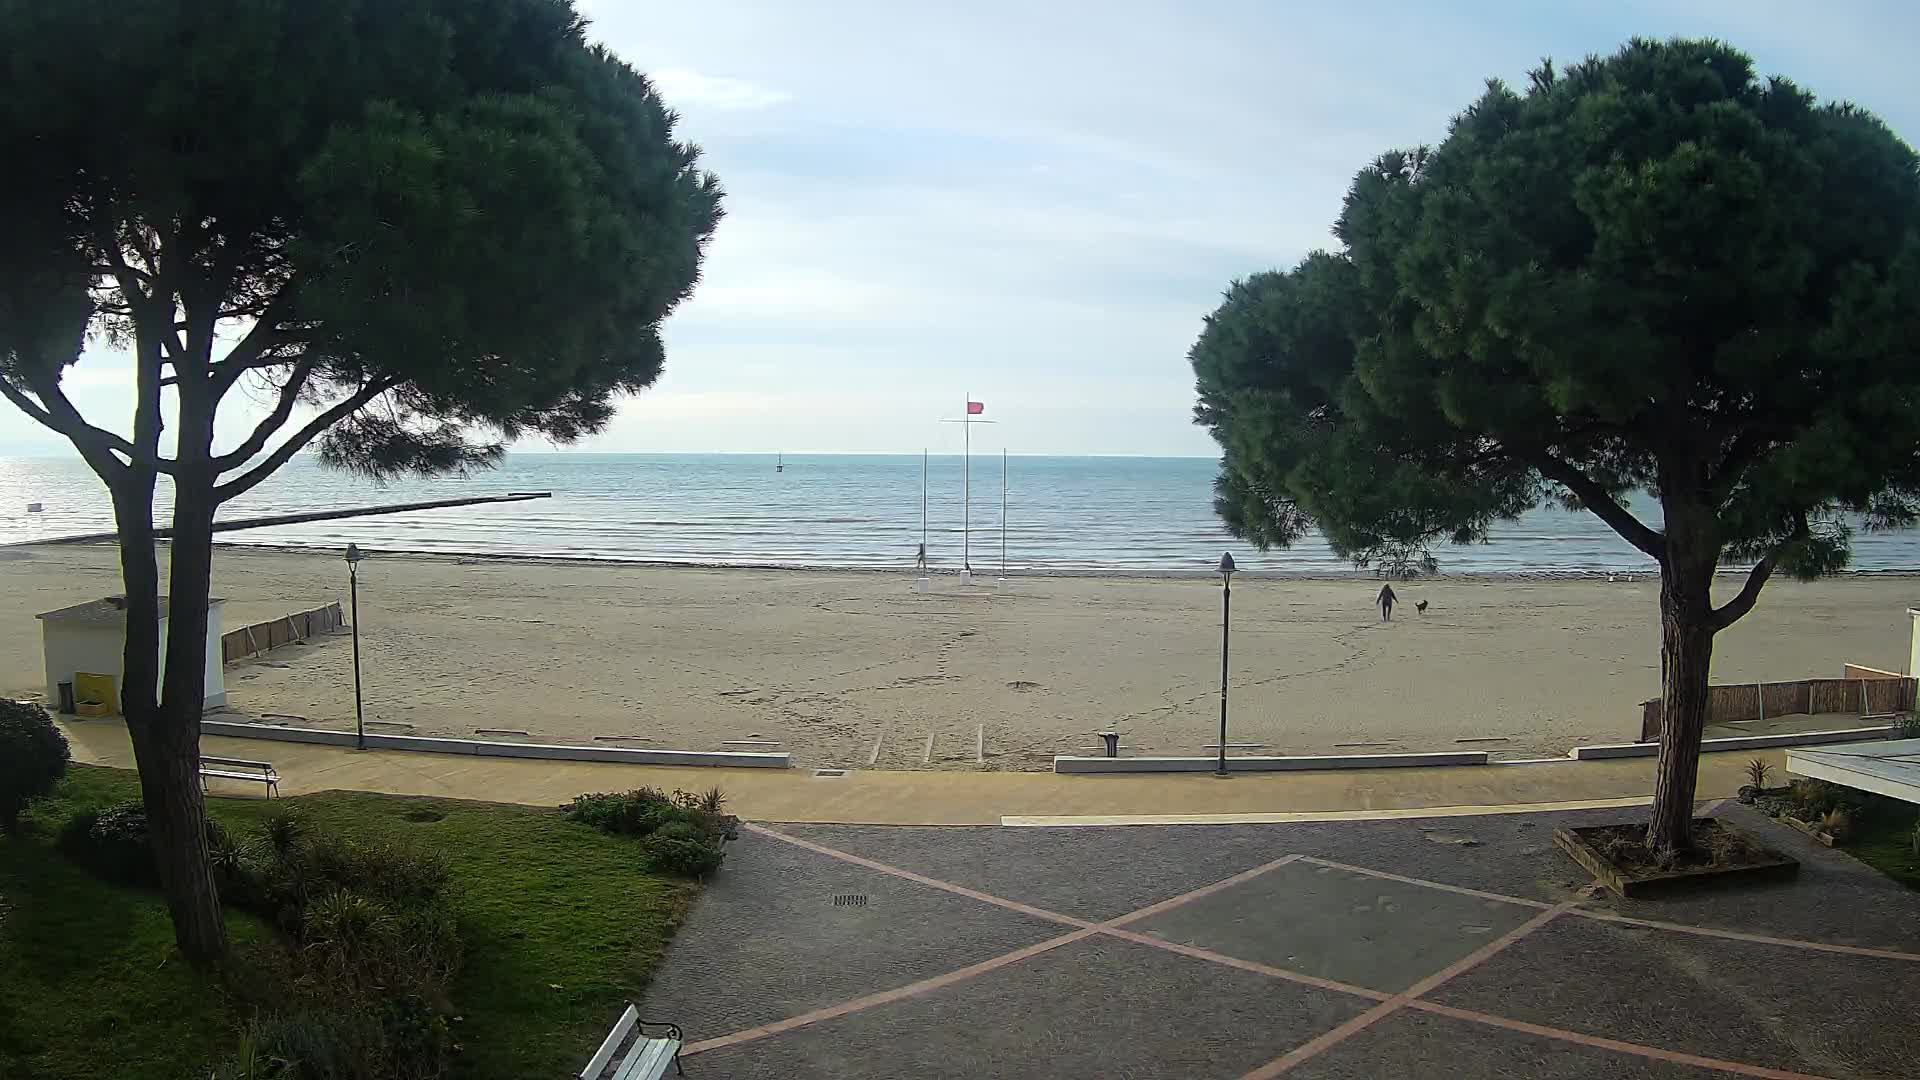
<point>829,772</point>
<point>850,900</point>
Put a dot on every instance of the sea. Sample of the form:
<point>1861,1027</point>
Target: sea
<point>1055,514</point>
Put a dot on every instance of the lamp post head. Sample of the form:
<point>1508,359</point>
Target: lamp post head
<point>354,554</point>
<point>1226,565</point>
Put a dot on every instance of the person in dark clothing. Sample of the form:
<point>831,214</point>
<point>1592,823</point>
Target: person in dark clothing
<point>1386,602</point>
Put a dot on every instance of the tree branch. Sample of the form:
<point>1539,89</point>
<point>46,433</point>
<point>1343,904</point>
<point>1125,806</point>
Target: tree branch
<point>1730,612</point>
<point>1733,610</point>
<point>1746,448</point>
<point>59,415</point>
<point>256,442</point>
<point>246,481</point>
<point>1597,499</point>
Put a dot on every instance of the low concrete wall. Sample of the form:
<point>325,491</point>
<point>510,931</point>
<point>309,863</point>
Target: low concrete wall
<point>1738,742</point>
<point>1083,765</point>
<point>545,751</point>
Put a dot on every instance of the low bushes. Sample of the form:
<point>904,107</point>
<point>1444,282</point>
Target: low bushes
<point>33,758</point>
<point>357,988</point>
<point>683,833</point>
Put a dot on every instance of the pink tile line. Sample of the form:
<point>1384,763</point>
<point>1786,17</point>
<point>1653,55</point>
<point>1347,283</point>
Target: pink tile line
<point>1327,1040</point>
<point>1654,924</point>
<point>935,883</point>
<point>1653,1052</point>
<point>1425,884</point>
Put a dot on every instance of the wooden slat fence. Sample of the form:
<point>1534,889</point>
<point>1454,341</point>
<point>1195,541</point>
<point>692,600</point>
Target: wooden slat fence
<point>285,630</point>
<point>1879,694</point>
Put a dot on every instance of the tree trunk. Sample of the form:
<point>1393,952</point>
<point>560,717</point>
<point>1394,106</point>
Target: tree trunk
<point>166,751</point>
<point>181,839</point>
<point>1686,633</point>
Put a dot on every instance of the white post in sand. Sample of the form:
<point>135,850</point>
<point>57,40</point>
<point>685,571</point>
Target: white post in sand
<point>921,583</point>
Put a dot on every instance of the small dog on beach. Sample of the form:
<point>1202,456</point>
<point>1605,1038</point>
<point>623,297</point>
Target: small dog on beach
<point>1420,606</point>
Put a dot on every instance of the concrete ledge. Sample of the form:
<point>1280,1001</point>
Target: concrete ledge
<point>1084,765</point>
<point>1737,742</point>
<point>480,748</point>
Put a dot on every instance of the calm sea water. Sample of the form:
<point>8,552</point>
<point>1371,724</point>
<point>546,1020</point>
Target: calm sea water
<point>823,510</point>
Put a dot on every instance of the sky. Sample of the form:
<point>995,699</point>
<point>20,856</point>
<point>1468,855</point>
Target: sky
<point>1034,205</point>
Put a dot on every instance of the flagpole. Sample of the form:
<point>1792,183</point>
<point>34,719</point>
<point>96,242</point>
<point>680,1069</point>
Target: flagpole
<point>1003,512</point>
<point>966,485</point>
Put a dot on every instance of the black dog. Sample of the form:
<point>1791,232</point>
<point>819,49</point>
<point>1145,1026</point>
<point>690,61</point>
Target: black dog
<point>1421,607</point>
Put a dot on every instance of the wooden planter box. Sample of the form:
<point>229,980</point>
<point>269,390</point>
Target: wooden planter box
<point>1770,866</point>
<point>1810,829</point>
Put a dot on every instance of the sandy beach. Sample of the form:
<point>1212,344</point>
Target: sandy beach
<point>830,664</point>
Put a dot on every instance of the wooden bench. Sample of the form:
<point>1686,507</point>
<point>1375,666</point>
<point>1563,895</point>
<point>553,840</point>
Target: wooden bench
<point>259,772</point>
<point>630,1052</point>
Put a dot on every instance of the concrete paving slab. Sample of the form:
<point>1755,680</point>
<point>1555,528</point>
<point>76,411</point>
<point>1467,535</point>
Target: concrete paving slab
<point>1337,925</point>
<point>1097,1008</point>
<point>1412,1045</point>
<point>1762,1004</point>
<point>767,941</point>
<point>1089,873</point>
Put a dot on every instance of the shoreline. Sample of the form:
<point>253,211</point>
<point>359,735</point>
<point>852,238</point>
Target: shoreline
<point>985,572</point>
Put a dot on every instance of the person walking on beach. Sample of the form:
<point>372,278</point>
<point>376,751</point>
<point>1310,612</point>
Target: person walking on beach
<point>920,560</point>
<point>1386,602</point>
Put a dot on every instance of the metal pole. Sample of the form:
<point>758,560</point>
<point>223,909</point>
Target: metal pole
<point>966,484</point>
<point>1226,608</point>
<point>923,500</point>
<point>1003,511</point>
<point>359,719</point>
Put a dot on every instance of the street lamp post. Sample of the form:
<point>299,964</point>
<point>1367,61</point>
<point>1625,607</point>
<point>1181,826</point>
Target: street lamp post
<point>354,556</point>
<point>1226,608</point>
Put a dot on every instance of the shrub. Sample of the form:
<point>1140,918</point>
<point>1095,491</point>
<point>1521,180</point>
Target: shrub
<point>1757,773</point>
<point>281,830</point>
<point>1835,823</point>
<point>112,842</point>
<point>681,848</point>
<point>1811,798</point>
<point>33,758</point>
<point>320,863</point>
<point>633,813</point>
<point>75,839</point>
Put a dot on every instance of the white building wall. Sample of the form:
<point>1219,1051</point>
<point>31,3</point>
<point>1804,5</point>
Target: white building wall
<point>71,646</point>
<point>216,687</point>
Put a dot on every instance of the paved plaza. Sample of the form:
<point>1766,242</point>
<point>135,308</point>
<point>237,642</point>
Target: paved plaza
<point>1456,947</point>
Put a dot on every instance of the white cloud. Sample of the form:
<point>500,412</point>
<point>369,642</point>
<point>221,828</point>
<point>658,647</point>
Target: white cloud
<point>681,88</point>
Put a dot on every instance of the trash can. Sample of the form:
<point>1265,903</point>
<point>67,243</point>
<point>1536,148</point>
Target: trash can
<point>66,698</point>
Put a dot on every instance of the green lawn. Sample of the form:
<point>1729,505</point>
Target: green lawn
<point>1884,841</point>
<point>560,929</point>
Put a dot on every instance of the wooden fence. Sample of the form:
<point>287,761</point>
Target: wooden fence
<point>1873,695</point>
<point>264,637</point>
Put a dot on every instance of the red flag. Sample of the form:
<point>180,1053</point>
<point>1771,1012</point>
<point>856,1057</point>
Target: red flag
<point>975,408</point>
